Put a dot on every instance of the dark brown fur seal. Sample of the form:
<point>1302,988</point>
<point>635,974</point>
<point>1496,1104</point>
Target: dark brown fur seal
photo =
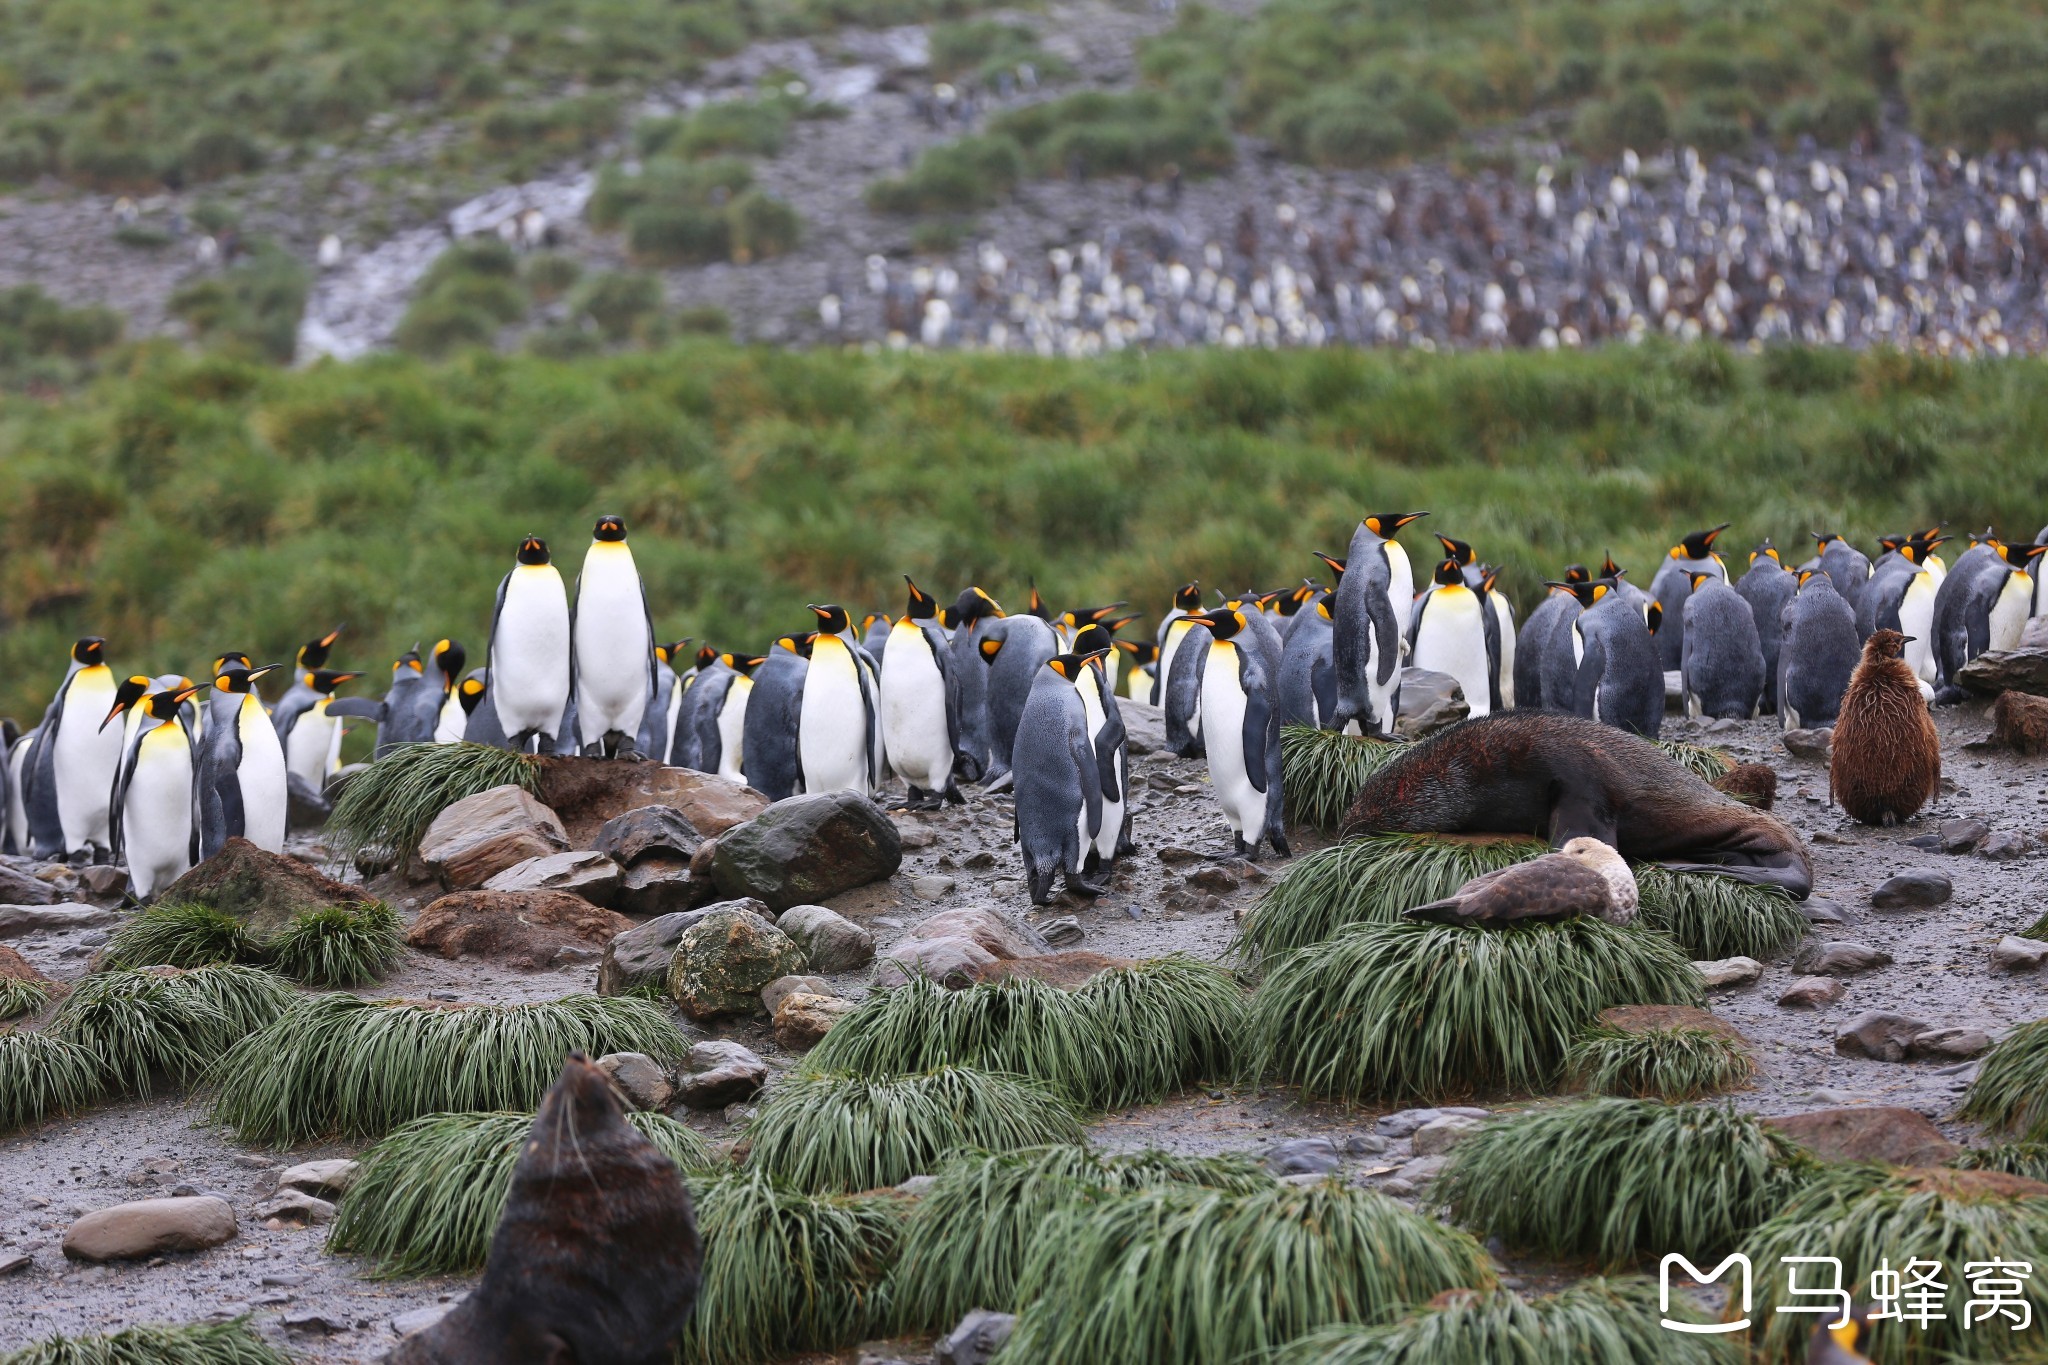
<point>1559,777</point>
<point>1886,759</point>
<point>595,1260</point>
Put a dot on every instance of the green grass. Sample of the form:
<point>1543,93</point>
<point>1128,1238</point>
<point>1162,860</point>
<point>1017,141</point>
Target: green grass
<point>1613,1180</point>
<point>1666,1063</point>
<point>337,1065</point>
<point>787,1272</point>
<point>1713,917</point>
<point>336,946</point>
<point>1428,1012</point>
<point>1703,761</point>
<point>1322,771</point>
<point>1867,1215</point>
<point>969,1236</point>
<point>429,1196</point>
<point>2029,1159</point>
<point>390,493</point>
<point>44,343</point>
<point>19,996</point>
<point>836,1132</point>
<point>179,935</point>
<point>145,1023</point>
<point>1127,1036</point>
<point>2011,1089</point>
<point>392,803</point>
<point>192,1343</point>
<point>1179,1274</point>
<point>1613,1322</point>
<point>2038,930</point>
<point>42,1075</point>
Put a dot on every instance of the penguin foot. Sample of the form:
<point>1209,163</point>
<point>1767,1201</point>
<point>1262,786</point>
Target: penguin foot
<point>920,799</point>
<point>1085,887</point>
<point>1000,782</point>
<point>1279,843</point>
<point>1041,886</point>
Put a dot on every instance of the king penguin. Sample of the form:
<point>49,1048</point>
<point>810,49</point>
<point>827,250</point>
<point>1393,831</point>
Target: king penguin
<point>1618,682</point>
<point>837,728</point>
<point>720,720</point>
<point>242,784</point>
<point>20,754</point>
<point>152,816</point>
<point>1141,669</point>
<point>1722,667</point>
<point>450,720</point>
<point>311,737</point>
<point>1767,585</point>
<point>658,723</point>
<point>1817,654</point>
<point>1241,731</point>
<point>1111,744</point>
<point>1900,597</point>
<point>528,658</point>
<point>1672,584</point>
<point>1374,598</point>
<point>769,752</point>
<point>973,616</point>
<point>1058,782</point>
<point>920,703</point>
<point>1308,676</point>
<point>1847,567</point>
<point>1456,632</point>
<point>1504,627</point>
<point>312,655</point>
<point>75,761</point>
<point>1982,605</point>
<point>1547,630</point>
<point>1186,598</point>
<point>611,655</point>
<point>408,714</point>
<point>1015,649</point>
<point>482,725</point>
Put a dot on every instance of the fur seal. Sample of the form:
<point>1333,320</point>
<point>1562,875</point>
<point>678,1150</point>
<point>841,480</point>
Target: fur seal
<point>1585,877</point>
<point>1886,758</point>
<point>596,1258</point>
<point>1560,777</point>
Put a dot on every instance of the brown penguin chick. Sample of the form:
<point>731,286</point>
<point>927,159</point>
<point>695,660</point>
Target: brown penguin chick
<point>1585,877</point>
<point>1753,784</point>
<point>1886,762</point>
<point>595,1260</point>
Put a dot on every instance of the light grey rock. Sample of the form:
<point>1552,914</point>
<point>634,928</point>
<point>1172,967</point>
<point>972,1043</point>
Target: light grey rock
<point>1915,890</point>
<point>776,991</point>
<point>16,920</point>
<point>1430,702</point>
<point>831,942</point>
<point>419,1319</point>
<point>1063,931</point>
<point>2004,846</point>
<point>1820,910</point>
<point>642,1080</point>
<point>150,1227</point>
<point>2006,670</point>
<point>1440,1135</point>
<point>1813,745</point>
<point>329,1179</point>
<point>1880,1035</point>
<point>296,1207</point>
<point>1949,1044</point>
<point>1962,834</point>
<point>917,1184</point>
<point>1414,1176</point>
<point>976,1340</point>
<point>1003,937</point>
<point>1403,1123</point>
<point>2016,954</point>
<point>1811,993</point>
<point>932,888</point>
<point>1729,972</point>
<point>640,956</point>
<point>1839,959</point>
<point>725,1085</point>
<point>1144,726</point>
<point>949,961</point>
<point>480,836</point>
<point>1304,1156</point>
<point>716,1052</point>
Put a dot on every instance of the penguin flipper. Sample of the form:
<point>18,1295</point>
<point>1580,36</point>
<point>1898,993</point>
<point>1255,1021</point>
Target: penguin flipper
<point>864,673</point>
<point>1258,716</point>
<point>358,708</point>
<point>124,773</point>
<point>1091,779</point>
<point>1109,742</point>
<point>39,783</point>
<point>1322,676</point>
<point>1489,624</point>
<point>1184,691</point>
<point>1386,634</point>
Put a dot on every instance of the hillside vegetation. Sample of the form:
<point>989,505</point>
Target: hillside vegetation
<point>181,505</point>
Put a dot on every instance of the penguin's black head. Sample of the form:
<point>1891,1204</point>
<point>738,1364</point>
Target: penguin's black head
<point>469,694</point>
<point>1577,573</point>
<point>533,550</point>
<point>232,679</point>
<point>972,605</point>
<point>1765,550</point>
<point>1488,576</point>
<point>1069,666</point>
<point>671,652</point>
<point>923,606</point>
<point>325,680</point>
<point>609,528</point>
<point>1610,569</point>
<point>1448,572</point>
<point>707,656</point>
<point>163,705</point>
<point>408,660</point>
<point>1336,567</point>
<point>1890,543</point>
<point>1698,545</point>
<point>1821,539</point>
<point>1143,652</point>
<point>1385,524</point>
<point>131,690</point>
<point>90,652</point>
<point>1294,599</point>
<point>1223,623</point>
<point>1087,616</point>
<point>743,663</point>
<point>1456,549</point>
<point>1920,547</point>
<point>233,658</point>
<point>449,657</point>
<point>313,653</point>
<point>1188,596</point>
<point>2019,556</point>
<point>1093,640</point>
<point>1036,606</point>
<point>1699,578</point>
<point>799,645</point>
<point>831,619</point>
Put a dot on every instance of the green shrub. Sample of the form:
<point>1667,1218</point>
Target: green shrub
<point>43,1075</point>
<point>1638,117</point>
<point>252,308</point>
<point>550,274</point>
<point>1679,1063</point>
<point>195,1343</point>
<point>164,1021</point>
<point>20,995</point>
<point>678,234</point>
<point>1140,133</point>
<point>762,228</point>
<point>2011,1089</point>
<point>618,301</point>
<point>218,151</point>
<point>743,127</point>
<point>2028,1159</point>
<point>953,177</point>
<point>338,946</point>
<point>391,803</point>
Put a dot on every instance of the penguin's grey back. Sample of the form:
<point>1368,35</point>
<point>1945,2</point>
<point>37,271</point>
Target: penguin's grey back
<point>698,745</point>
<point>1723,660</point>
<point>972,676</point>
<point>1878,608</point>
<point>483,726</point>
<point>1027,643</point>
<point>768,748</point>
<point>1670,587</point>
<point>1054,776</point>
<point>1620,680</point>
<point>1535,643</point>
<point>1366,639</point>
<point>1818,654</point>
<point>1182,705</point>
<point>1848,568</point>
<point>1767,587</point>
<point>1308,673</point>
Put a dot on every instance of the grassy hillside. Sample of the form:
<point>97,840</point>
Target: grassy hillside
<point>181,505</point>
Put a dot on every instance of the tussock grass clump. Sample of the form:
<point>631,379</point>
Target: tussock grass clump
<point>1323,769</point>
<point>969,1236</point>
<point>1617,1179</point>
<point>142,1022</point>
<point>2011,1089</point>
<point>1129,1035</point>
<point>1613,1322</point>
<point>1703,761</point>
<point>2029,1159</point>
<point>429,1196</point>
<point>391,803</point>
<point>1870,1215</point>
<point>786,1272</point>
<point>337,1064</point>
<point>41,1074</point>
<point>19,996</point>
<point>1713,917</point>
<point>181,935</point>
<point>340,945</point>
<point>192,1343</point>
<point>1666,1063</point>
<point>1431,1011</point>
<point>827,1132</point>
<point>1177,1273</point>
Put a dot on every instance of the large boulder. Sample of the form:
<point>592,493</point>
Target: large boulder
<point>528,930</point>
<point>1144,726</point>
<point>648,832</point>
<point>590,792</point>
<point>150,1227</point>
<point>2006,670</point>
<point>580,872</point>
<point>831,942</point>
<point>807,849</point>
<point>641,955</point>
<point>1891,1134</point>
<point>24,888</point>
<point>480,836</point>
<point>264,890</point>
<point>661,886</point>
<point>723,961</point>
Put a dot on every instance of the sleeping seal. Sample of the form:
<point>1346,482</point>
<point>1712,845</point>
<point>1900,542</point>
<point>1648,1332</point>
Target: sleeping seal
<point>1560,777</point>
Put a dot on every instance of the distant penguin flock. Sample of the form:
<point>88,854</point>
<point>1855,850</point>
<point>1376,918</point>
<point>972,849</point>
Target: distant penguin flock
<point>947,694</point>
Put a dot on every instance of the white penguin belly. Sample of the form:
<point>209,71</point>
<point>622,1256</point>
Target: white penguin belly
<point>1380,695</point>
<point>87,758</point>
<point>732,727</point>
<point>1223,705</point>
<point>529,665</point>
<point>1916,623</point>
<point>832,728</point>
<point>1400,590</point>
<point>1163,670</point>
<point>1506,617</point>
<point>1452,639</point>
<point>913,711</point>
<point>156,812</point>
<point>17,813</point>
<point>314,745</point>
<point>612,646</point>
<point>2009,612</point>
<point>261,775</point>
<point>448,730</point>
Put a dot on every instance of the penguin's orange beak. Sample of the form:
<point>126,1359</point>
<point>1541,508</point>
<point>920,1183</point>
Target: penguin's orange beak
<point>119,707</point>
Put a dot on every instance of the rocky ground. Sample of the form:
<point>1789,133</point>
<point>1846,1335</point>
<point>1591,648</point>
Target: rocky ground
<point>1939,970</point>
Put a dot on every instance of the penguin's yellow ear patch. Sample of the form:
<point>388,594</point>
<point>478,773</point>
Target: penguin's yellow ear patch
<point>223,682</point>
<point>991,648</point>
<point>1058,666</point>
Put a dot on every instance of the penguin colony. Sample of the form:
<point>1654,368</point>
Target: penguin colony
<point>969,693</point>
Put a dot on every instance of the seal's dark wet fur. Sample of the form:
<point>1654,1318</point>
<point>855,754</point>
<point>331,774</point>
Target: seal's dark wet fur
<point>1557,777</point>
<point>596,1258</point>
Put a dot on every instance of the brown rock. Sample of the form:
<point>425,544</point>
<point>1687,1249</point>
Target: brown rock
<point>1811,992</point>
<point>580,872</point>
<point>801,1019</point>
<point>641,956</point>
<point>2020,723</point>
<point>16,920</point>
<point>1894,1135</point>
<point>951,962</point>
<point>480,836</point>
<point>661,886</point>
<point>782,987</point>
<point>1879,1035</point>
<point>1656,1018</point>
<point>1997,671</point>
<point>20,888</point>
<point>150,1227</point>
<point>649,832</point>
<point>524,929</point>
<point>15,967</point>
<point>1949,1044</point>
<point>588,792</point>
<point>1068,971</point>
<point>1976,1185</point>
<point>263,890</point>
